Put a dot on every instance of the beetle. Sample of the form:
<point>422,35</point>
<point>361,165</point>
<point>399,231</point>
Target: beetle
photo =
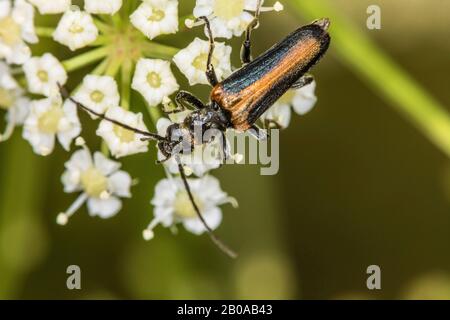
<point>238,101</point>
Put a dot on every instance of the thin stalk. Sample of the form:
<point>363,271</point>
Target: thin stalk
<point>157,50</point>
<point>85,59</point>
<point>100,68</point>
<point>155,113</point>
<point>125,84</point>
<point>369,62</point>
<point>114,66</point>
<point>102,26</point>
<point>44,32</point>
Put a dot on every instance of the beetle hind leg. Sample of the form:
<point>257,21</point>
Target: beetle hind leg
<point>303,81</point>
<point>258,133</point>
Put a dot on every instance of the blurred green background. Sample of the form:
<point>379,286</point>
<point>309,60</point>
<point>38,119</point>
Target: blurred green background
<point>359,184</point>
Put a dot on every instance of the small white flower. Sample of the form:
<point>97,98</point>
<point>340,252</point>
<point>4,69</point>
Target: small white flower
<point>48,119</point>
<point>172,204</point>
<point>100,182</point>
<point>279,115</point>
<point>203,159</point>
<point>304,98</point>
<point>76,29</point>
<point>98,93</point>
<point>51,6</point>
<point>192,61</point>
<point>154,80</point>
<point>229,17</point>
<point>155,17</point>
<point>43,74</point>
<point>102,6</point>
<point>302,101</point>
<point>16,28</point>
<point>123,142</point>
<point>12,101</point>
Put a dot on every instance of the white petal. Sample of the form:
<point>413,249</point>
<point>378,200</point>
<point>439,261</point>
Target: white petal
<point>120,183</point>
<point>105,165</point>
<point>213,218</point>
<point>104,208</point>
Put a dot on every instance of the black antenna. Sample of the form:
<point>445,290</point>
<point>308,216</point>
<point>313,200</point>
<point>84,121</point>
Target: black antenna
<point>222,246</point>
<point>66,95</point>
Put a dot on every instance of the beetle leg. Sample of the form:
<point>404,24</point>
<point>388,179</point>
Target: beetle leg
<point>222,246</point>
<point>186,99</point>
<point>303,81</point>
<point>210,72</point>
<point>246,49</point>
<point>258,133</point>
<point>225,147</point>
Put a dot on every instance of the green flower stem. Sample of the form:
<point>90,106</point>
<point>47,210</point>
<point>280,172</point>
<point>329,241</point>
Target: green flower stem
<point>103,27</point>
<point>364,57</point>
<point>44,32</point>
<point>85,59</point>
<point>128,5</point>
<point>114,66</point>
<point>100,68</point>
<point>156,50</point>
<point>125,83</point>
<point>117,20</point>
<point>155,113</point>
<point>100,41</point>
<point>104,149</point>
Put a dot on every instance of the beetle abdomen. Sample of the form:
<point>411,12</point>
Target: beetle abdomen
<point>251,90</point>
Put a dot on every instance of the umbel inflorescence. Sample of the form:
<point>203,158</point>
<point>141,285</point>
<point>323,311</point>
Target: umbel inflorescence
<point>120,46</point>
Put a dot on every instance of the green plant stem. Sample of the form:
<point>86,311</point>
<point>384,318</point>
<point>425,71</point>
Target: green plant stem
<point>102,26</point>
<point>85,59</point>
<point>44,32</point>
<point>156,50</point>
<point>100,68</point>
<point>155,114</point>
<point>364,57</point>
<point>114,66</point>
<point>125,83</point>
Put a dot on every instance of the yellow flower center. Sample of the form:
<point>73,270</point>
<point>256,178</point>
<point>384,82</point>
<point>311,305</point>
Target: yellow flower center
<point>97,96</point>
<point>183,206</point>
<point>201,60</point>
<point>76,28</point>
<point>94,182</point>
<point>9,31</point>
<point>48,122</point>
<point>6,99</point>
<point>287,97</point>
<point>154,80</point>
<point>228,9</point>
<point>42,75</point>
<point>124,135</point>
<point>157,15</point>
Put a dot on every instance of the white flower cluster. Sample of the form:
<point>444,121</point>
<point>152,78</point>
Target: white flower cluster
<point>123,45</point>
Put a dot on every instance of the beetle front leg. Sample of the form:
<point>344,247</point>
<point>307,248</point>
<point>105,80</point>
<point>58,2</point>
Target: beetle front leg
<point>186,99</point>
<point>210,72</point>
